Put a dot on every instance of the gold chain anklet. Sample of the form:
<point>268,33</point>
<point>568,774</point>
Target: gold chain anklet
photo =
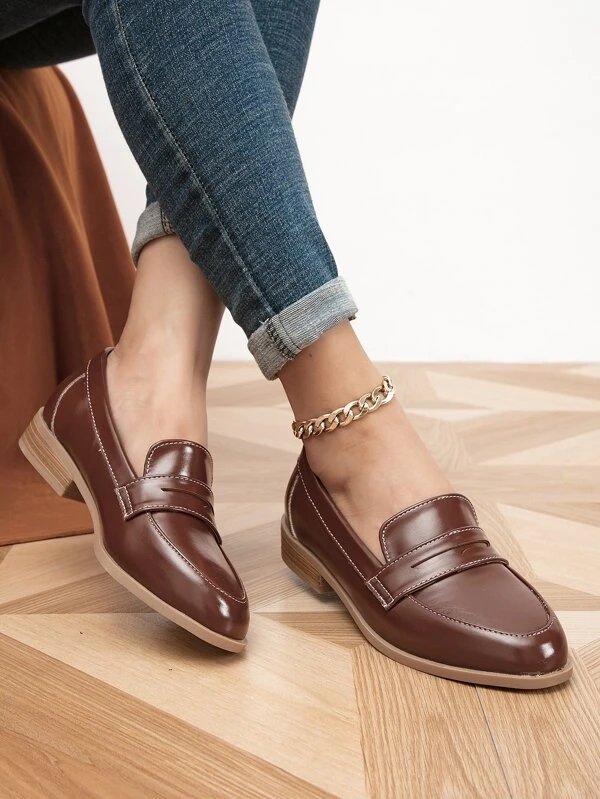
<point>341,417</point>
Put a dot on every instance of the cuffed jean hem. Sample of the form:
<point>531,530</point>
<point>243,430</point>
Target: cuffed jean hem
<point>283,336</point>
<point>151,225</point>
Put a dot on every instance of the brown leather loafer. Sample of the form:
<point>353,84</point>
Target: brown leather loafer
<point>154,534</point>
<point>441,600</point>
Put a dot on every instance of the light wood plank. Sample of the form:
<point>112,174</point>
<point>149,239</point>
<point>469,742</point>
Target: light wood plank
<point>509,432</point>
<point>443,442</point>
<point>255,425</point>
<point>40,566</point>
<point>580,450</point>
<point>561,597</point>
<point>422,736</point>
<point>225,374</point>
<point>553,378</point>
<point>590,657</point>
<point>336,627</point>
<point>589,370</point>
<point>502,396</point>
<point>279,691</point>
<point>587,512</point>
<point>580,626</point>
<point>97,594</point>
<point>92,741</point>
<point>547,741</point>
<point>560,551</point>
<point>257,392</point>
<point>536,484</point>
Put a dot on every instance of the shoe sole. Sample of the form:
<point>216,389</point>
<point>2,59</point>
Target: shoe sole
<point>306,566</point>
<point>54,464</point>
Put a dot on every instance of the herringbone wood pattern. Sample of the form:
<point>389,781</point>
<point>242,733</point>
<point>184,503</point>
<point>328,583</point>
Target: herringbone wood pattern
<point>101,698</point>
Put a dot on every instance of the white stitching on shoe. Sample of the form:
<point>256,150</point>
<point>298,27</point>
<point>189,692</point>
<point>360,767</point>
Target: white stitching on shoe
<point>372,588</point>
<point>163,535</point>
<point>426,543</point>
<point>149,506</point>
<point>159,444</point>
<point>59,400</point>
<point>120,491</point>
<point>382,586</point>
<point>543,629</point>
<point>329,531</point>
<point>409,589</point>
<point>87,391</point>
<point>414,507</point>
<point>169,477</point>
<point>289,504</point>
<point>152,506</point>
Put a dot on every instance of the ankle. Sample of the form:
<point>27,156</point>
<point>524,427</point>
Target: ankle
<point>154,400</point>
<point>346,451</point>
<point>166,394</point>
<point>328,373</point>
<point>157,362</point>
<point>381,442</point>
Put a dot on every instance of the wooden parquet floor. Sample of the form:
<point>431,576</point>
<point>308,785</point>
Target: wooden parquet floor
<point>101,698</point>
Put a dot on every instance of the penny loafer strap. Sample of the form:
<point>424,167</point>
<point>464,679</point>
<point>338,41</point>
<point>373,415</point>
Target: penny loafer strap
<point>168,493</point>
<point>434,560</point>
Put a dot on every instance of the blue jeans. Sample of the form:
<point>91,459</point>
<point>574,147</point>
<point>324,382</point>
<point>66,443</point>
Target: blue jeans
<point>203,91</point>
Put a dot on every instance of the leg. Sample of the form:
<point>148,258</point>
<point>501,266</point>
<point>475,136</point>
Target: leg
<point>199,102</point>
<point>263,254</point>
<point>223,163</point>
<point>164,353</point>
<point>158,371</point>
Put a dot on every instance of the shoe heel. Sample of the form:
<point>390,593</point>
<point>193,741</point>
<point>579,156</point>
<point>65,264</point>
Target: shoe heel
<point>295,559</point>
<point>42,449</point>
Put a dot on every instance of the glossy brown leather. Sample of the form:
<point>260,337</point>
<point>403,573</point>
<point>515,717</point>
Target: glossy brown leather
<point>159,528</point>
<point>440,590</point>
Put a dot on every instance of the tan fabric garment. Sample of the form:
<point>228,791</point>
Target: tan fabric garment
<point>66,278</point>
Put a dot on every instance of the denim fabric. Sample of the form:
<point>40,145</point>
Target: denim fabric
<point>286,28</point>
<point>203,95</point>
<point>284,335</point>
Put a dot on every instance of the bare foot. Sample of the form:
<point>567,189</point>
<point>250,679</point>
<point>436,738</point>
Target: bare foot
<point>154,395</point>
<point>375,467</point>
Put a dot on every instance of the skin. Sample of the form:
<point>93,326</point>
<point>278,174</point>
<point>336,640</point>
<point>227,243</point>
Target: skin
<point>157,377</point>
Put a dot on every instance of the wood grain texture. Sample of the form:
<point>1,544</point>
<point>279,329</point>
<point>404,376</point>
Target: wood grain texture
<point>91,740</point>
<point>257,702</point>
<point>99,697</point>
<point>422,736</point>
<point>590,656</point>
<point>547,741</point>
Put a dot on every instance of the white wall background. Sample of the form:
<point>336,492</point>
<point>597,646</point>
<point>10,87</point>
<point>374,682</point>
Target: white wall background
<point>453,149</point>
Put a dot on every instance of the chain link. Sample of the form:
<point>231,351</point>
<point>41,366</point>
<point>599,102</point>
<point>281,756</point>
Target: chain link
<point>349,413</point>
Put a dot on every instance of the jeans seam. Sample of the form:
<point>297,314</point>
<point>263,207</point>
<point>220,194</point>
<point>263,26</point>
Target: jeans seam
<point>166,225</point>
<point>278,342</point>
<point>207,199</point>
